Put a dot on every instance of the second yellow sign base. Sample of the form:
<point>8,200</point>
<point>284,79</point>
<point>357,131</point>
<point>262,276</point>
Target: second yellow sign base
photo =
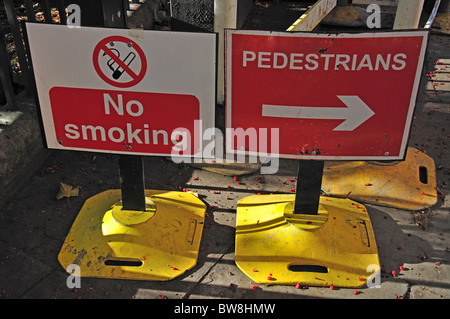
<point>334,248</point>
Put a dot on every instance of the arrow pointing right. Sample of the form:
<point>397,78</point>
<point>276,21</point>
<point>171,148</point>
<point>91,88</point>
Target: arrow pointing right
<point>355,113</point>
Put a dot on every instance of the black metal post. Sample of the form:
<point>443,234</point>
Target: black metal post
<point>60,5</point>
<point>309,184</point>
<point>30,11</point>
<point>132,182</point>
<point>6,77</point>
<point>47,14</point>
<point>131,167</point>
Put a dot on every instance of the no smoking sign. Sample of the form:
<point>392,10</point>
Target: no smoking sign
<point>106,90</point>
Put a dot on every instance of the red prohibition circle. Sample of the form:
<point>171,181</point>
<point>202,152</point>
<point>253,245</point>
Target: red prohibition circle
<point>136,78</point>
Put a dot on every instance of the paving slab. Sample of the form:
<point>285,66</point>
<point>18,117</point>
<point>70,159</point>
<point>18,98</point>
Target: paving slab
<point>19,271</point>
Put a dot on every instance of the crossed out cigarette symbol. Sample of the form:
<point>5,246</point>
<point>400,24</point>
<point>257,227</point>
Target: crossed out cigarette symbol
<point>120,61</point>
<point>114,66</point>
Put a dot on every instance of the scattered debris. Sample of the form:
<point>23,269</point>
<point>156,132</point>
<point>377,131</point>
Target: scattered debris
<point>421,219</point>
<point>437,267</point>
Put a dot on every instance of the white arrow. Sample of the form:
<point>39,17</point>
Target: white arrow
<point>355,113</point>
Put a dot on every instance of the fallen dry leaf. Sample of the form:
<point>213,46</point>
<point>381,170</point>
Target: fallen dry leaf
<point>67,191</point>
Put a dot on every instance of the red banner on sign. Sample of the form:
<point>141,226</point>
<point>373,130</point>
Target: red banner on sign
<point>132,122</point>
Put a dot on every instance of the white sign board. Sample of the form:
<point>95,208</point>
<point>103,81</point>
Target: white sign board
<point>124,91</point>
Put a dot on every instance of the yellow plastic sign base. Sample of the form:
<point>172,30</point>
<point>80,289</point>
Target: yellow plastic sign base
<point>274,246</point>
<point>159,244</point>
<point>409,184</point>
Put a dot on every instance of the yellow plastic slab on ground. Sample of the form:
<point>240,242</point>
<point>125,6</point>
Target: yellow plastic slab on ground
<point>336,247</point>
<point>409,184</point>
<point>160,244</point>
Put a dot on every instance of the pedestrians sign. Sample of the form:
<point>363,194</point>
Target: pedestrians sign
<point>117,91</point>
<point>331,96</point>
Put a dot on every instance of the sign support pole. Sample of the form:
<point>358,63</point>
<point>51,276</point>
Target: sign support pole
<point>132,182</point>
<point>131,168</point>
<point>309,183</point>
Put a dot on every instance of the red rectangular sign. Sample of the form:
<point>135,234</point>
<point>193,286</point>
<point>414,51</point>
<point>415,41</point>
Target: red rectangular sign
<point>122,121</point>
<point>328,96</point>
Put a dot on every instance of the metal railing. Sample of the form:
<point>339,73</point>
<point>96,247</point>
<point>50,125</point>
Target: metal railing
<point>14,66</point>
